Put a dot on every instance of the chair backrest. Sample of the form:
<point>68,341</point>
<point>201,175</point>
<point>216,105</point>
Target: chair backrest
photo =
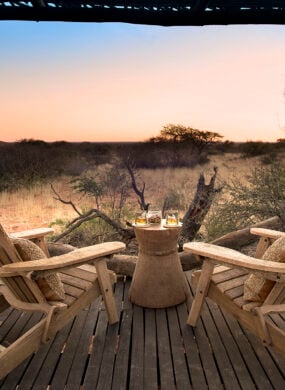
<point>22,287</point>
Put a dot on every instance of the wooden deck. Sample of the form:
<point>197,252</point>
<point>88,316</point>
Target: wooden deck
<point>147,350</point>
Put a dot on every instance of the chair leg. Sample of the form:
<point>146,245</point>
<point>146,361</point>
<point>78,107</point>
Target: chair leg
<point>107,290</point>
<point>201,292</point>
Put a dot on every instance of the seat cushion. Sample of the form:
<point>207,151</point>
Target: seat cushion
<point>50,284</point>
<point>257,287</point>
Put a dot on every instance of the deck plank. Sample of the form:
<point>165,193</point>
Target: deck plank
<point>109,353</point>
<point>164,352</point>
<point>66,359</point>
<point>137,352</point>
<point>12,381</point>
<point>252,363</point>
<point>222,359</point>
<point>81,356</point>
<point>46,372</point>
<point>94,364</point>
<point>274,376</point>
<point>148,349</point>
<point>121,368</point>
<point>239,367</point>
<point>206,352</point>
<point>178,352</point>
<point>150,352</point>
<point>197,376</point>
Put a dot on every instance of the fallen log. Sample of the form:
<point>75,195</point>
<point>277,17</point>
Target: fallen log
<point>240,238</point>
<point>57,249</point>
<point>122,264</point>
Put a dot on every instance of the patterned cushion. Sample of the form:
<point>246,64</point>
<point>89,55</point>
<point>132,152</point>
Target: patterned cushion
<point>50,285</point>
<point>256,287</point>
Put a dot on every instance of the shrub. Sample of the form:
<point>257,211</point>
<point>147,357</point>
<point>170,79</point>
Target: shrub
<point>242,204</point>
<point>255,148</point>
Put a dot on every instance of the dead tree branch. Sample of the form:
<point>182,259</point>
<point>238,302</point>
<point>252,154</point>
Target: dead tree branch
<point>129,163</point>
<point>125,233</point>
<point>59,198</point>
<point>198,209</point>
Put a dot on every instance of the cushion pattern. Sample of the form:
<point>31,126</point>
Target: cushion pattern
<point>50,284</point>
<point>257,287</point>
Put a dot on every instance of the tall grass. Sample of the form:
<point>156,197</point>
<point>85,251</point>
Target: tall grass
<point>36,207</point>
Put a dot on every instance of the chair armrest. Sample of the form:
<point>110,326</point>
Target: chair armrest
<point>232,257</point>
<point>56,263</point>
<point>268,233</point>
<point>31,234</point>
<point>37,236</point>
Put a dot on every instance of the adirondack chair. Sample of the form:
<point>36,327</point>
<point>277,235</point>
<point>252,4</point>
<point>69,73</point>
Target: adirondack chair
<point>83,283</point>
<point>222,279</point>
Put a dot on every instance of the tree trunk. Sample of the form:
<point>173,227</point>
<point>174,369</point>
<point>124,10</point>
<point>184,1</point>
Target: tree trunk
<point>198,209</point>
<point>241,238</point>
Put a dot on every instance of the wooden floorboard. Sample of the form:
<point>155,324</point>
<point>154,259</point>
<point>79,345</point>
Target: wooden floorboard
<point>164,351</point>
<point>149,349</point>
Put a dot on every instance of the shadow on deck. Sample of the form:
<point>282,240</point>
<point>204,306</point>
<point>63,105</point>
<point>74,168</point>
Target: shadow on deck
<point>148,349</point>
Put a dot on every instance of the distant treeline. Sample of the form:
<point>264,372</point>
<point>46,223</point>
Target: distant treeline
<point>27,161</point>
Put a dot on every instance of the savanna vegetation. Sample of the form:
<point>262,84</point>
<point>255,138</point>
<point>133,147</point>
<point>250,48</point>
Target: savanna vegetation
<point>95,183</point>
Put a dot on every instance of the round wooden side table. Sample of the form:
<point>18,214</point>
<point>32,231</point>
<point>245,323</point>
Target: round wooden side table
<point>158,279</point>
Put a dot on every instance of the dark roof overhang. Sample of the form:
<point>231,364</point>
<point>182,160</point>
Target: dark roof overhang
<point>150,12</point>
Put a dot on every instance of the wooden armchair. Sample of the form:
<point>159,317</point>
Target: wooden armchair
<point>82,282</point>
<point>37,236</point>
<point>222,278</point>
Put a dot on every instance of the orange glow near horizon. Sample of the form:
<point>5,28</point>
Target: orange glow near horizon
<point>228,80</point>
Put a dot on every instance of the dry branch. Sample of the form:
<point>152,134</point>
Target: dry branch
<point>59,198</point>
<point>198,209</point>
<point>126,233</point>
<point>130,165</point>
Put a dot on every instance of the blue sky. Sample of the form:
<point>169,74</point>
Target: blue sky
<point>121,82</point>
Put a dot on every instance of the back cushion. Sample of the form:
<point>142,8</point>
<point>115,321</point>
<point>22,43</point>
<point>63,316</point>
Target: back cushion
<point>50,285</point>
<point>257,287</point>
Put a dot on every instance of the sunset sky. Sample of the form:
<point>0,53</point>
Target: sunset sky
<point>120,82</point>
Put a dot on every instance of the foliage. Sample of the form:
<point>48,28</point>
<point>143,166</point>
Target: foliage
<point>28,161</point>
<point>182,134</point>
<point>90,187</point>
<point>255,148</point>
<point>92,232</point>
<point>174,199</point>
<point>117,186</point>
<point>261,197</point>
<point>110,188</point>
<point>268,158</point>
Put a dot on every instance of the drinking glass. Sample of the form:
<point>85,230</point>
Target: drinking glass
<point>140,218</point>
<point>172,217</point>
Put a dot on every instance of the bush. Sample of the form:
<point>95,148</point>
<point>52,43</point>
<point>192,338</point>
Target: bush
<point>255,148</point>
<point>242,204</point>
